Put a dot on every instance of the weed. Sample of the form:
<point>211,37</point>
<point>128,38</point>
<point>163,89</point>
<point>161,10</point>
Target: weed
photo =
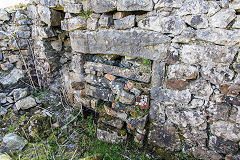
<point>146,62</point>
<point>11,129</point>
<point>85,14</point>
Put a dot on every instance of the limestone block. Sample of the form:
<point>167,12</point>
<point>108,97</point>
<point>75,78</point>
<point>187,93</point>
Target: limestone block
<point>140,43</point>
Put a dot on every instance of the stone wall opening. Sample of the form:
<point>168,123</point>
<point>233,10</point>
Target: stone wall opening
<point>117,88</point>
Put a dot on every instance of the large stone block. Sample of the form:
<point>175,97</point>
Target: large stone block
<point>171,24</point>
<point>12,78</point>
<point>194,54</point>
<point>219,36</point>
<point>135,5</point>
<point>101,93</point>
<point>223,146</point>
<point>99,6</point>
<point>222,18</point>
<point>217,74</point>
<point>193,7</point>
<point>4,15</point>
<point>165,137</point>
<point>226,130</point>
<point>74,23</point>
<point>133,43</point>
<point>170,96</point>
<point>182,71</point>
<point>167,3</point>
<point>73,8</point>
<point>49,16</point>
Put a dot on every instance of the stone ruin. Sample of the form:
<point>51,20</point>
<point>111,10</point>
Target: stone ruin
<point>165,72</point>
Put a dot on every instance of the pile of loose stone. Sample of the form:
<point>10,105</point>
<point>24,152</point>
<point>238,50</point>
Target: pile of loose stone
<point>163,70</point>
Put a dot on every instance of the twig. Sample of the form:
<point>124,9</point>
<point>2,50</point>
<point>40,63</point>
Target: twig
<point>25,64</point>
<point>72,119</point>
<point>35,64</point>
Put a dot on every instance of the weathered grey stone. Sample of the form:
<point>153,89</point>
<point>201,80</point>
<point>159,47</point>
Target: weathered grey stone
<point>182,71</point>
<point>204,153</point>
<point>42,32</point>
<point>12,77</point>
<point>157,113</point>
<point>170,96</point>
<point>140,43</point>
<point>4,15</point>
<point>105,21</point>
<point>197,21</point>
<point>14,142</point>
<point>196,119</point>
<point>57,45</point>
<point>26,103</point>
<point>219,36</point>
<point>167,3</point>
<point>23,34</point>
<point>165,136</point>
<point>224,3</point>
<point>117,87</point>
<point>100,93</point>
<point>118,114</point>
<point>171,24</point>
<point>173,115</point>
<point>110,136</point>
<point>222,18</point>
<point>117,71</point>
<point>74,23</point>
<point>186,36</point>
<point>13,58</point>
<point>117,123</point>
<point>49,16</point>
<point>99,81</point>
<point>201,89</point>
<point>3,35</point>
<point>125,23</point>
<point>158,73</point>
<point>216,74</point>
<point>226,130</point>
<point>6,66</point>
<point>237,22</point>
<point>126,98</point>
<point>235,5</point>
<point>92,22</point>
<point>137,123</point>
<point>194,136</point>
<point>218,112</point>
<point>19,93</point>
<point>3,97</point>
<point>194,54</point>
<point>223,146</point>
<point>73,8</point>
<point>32,11</point>
<point>193,7</point>
<point>137,5</point>
<point>135,91</point>
<point>50,3</point>
<point>100,6</point>
<point>213,7</point>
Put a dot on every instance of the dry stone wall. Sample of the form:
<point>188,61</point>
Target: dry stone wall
<point>163,71</point>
